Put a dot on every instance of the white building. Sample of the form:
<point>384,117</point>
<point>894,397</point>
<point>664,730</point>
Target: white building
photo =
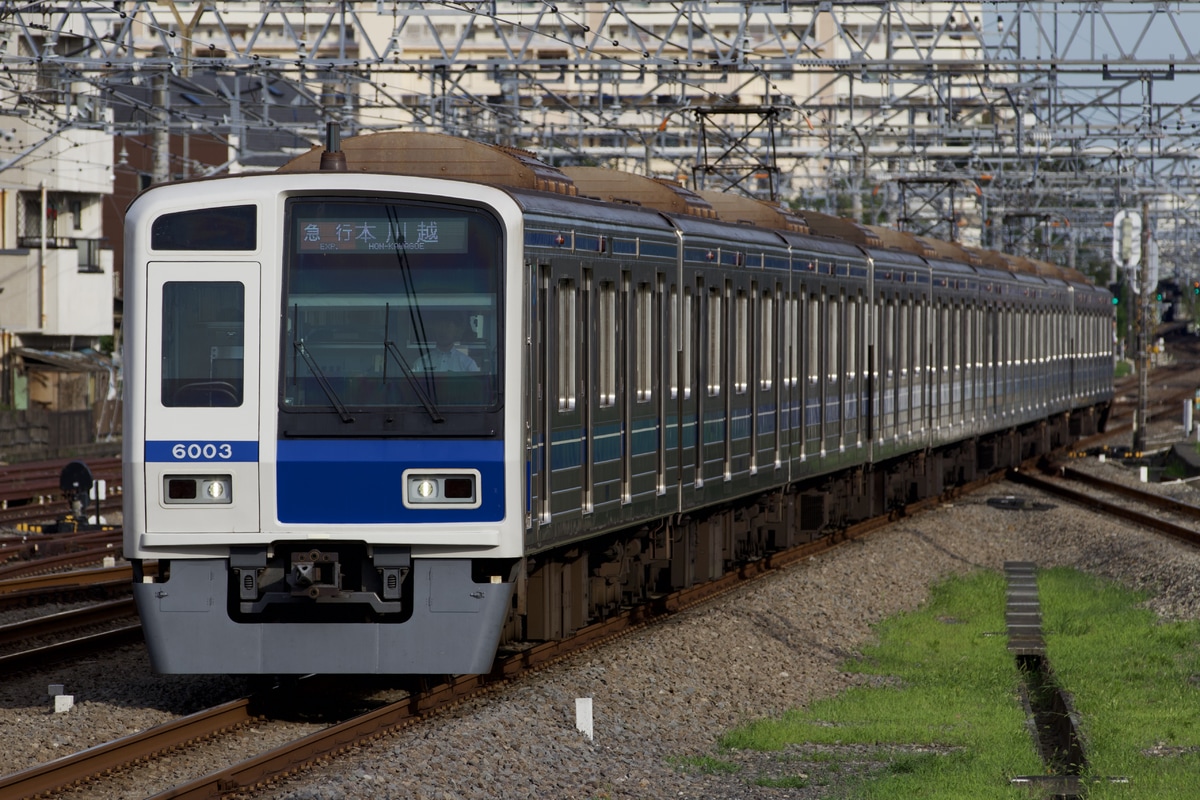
<point>56,267</point>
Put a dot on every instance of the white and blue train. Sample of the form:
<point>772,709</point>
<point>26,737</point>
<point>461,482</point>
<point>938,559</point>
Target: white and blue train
<point>397,404</point>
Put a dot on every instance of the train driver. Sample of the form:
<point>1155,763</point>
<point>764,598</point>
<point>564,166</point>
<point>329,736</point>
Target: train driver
<point>444,357</point>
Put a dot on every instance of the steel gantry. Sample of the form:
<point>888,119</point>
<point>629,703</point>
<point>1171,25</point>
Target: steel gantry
<point>1014,124</point>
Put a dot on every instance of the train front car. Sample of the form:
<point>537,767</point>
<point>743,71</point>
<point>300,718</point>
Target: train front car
<point>319,456</point>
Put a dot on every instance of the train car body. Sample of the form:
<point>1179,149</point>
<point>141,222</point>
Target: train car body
<point>374,420</point>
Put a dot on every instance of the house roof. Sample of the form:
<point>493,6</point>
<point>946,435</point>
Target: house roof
<point>65,360</point>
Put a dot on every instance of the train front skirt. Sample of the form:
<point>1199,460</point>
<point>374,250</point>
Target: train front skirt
<point>454,628</point>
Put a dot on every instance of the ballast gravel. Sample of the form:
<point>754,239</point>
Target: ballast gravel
<point>662,696</point>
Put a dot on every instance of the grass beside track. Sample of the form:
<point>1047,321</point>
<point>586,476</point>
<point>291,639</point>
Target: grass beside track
<point>1134,681</point>
<point>938,713</point>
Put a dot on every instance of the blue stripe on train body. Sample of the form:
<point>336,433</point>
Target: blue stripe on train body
<point>357,481</point>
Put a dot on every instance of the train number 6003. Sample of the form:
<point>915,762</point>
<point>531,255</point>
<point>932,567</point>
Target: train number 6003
<point>209,451</point>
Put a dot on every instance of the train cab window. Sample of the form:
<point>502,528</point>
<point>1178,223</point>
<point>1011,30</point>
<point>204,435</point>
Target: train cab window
<point>391,316</point>
<point>203,337</point>
<point>228,228</point>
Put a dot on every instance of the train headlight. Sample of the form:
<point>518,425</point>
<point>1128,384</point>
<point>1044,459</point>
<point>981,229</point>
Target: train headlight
<point>192,489</point>
<point>451,488</point>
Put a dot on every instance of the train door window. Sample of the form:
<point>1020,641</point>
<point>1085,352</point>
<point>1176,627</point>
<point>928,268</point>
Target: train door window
<point>835,338</point>
<point>852,306</point>
<point>813,340</point>
<point>766,351</point>
<point>944,337</point>
<point>565,342</point>
<point>644,343</point>
<point>792,347</point>
<point>688,357</point>
<point>741,358</point>
<point>921,363</point>
<point>607,330</point>
<point>681,343</point>
<point>203,338</point>
<point>888,336</point>
<point>716,335</point>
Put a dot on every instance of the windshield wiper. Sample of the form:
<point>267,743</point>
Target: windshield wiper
<point>322,381</point>
<point>395,353</point>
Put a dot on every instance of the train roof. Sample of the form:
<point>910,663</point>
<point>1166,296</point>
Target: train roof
<point>901,240</point>
<point>437,155</point>
<point>841,228</point>
<point>615,186</point>
<point>760,213</point>
<point>950,251</point>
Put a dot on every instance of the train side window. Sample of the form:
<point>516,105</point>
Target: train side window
<point>568,318</point>
<point>203,338</point>
<point>229,228</point>
<point>608,344</point>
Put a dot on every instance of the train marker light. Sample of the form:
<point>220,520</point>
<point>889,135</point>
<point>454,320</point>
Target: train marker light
<point>450,488</point>
<point>193,489</point>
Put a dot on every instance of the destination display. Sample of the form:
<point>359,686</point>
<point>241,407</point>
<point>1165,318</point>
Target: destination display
<point>376,235</point>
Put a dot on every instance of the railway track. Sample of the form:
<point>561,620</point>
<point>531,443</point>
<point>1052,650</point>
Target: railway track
<point>414,706</point>
<point>1142,507</point>
<point>40,554</point>
<point>81,645</point>
<point>158,742</point>
<point>80,584</point>
<point>31,493</point>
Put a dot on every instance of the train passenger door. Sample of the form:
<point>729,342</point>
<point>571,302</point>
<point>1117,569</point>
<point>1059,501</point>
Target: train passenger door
<point>564,477</point>
<point>684,348</point>
<point>202,397</point>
